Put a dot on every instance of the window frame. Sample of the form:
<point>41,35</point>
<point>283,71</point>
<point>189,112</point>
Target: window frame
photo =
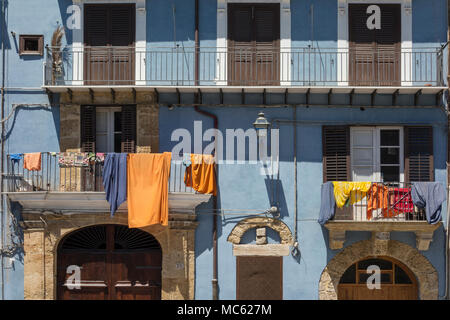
<point>376,172</point>
<point>110,132</point>
<point>25,37</point>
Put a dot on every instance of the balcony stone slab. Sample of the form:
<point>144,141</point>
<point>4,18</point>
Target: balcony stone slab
<point>381,231</point>
<point>93,202</point>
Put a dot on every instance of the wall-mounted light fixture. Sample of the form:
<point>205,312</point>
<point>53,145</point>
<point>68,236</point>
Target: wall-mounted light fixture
<point>261,125</point>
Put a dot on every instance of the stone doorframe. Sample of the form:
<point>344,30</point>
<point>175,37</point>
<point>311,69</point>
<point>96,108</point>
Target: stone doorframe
<point>426,274</point>
<point>43,233</point>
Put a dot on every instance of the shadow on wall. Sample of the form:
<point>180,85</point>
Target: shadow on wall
<point>63,6</point>
<point>14,236</point>
<point>4,27</point>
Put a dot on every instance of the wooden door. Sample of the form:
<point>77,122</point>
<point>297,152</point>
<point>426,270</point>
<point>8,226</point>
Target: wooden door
<point>259,278</point>
<point>115,263</point>
<point>109,39</point>
<point>253,44</point>
<point>375,54</point>
<point>397,281</point>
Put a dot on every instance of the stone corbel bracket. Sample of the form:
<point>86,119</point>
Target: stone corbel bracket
<point>424,231</point>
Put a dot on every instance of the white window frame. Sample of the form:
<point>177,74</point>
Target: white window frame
<point>140,40</point>
<point>376,150</point>
<point>406,38</point>
<point>110,125</point>
<point>222,39</point>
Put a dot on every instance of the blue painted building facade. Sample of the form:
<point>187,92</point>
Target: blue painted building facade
<point>178,67</point>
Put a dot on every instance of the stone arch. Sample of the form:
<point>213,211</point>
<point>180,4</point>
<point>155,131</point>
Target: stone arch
<point>41,251</point>
<point>260,222</point>
<point>426,274</point>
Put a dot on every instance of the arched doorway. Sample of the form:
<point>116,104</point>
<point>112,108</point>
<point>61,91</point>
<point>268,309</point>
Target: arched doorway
<point>112,262</point>
<point>397,282</point>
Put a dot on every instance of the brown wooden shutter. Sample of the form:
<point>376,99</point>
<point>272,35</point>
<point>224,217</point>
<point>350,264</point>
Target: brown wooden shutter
<point>110,36</point>
<point>259,278</point>
<point>88,128</point>
<point>253,44</point>
<point>336,153</point>
<point>128,144</point>
<point>267,43</point>
<point>374,55</point>
<point>419,154</point>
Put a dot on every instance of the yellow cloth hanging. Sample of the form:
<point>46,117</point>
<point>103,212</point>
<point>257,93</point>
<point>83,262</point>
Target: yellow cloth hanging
<point>148,188</point>
<point>356,191</point>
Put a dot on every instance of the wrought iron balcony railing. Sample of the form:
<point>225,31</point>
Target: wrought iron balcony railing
<point>383,202</point>
<point>181,66</point>
<point>54,177</point>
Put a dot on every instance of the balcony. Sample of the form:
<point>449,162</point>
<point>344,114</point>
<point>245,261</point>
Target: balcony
<point>389,209</point>
<point>69,189</point>
<point>298,69</point>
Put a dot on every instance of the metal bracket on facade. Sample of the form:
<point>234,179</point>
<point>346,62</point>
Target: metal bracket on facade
<point>199,97</point>
<point>264,96</point>
<point>286,96</point>
<point>329,96</point>
<point>70,93</point>
<point>438,97</point>
<point>307,97</point>
<point>221,95</point>
<point>395,97</point>
<point>178,96</point>
<point>50,95</point>
<point>133,90</point>
<point>243,96</point>
<point>91,93</point>
<point>156,95</point>
<point>352,93</point>
<point>416,97</point>
<point>113,95</point>
<point>372,97</point>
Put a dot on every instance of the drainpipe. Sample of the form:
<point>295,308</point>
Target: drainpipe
<point>447,239</point>
<point>2,148</point>
<point>215,285</point>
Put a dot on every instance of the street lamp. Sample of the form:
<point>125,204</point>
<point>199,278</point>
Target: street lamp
<point>261,125</point>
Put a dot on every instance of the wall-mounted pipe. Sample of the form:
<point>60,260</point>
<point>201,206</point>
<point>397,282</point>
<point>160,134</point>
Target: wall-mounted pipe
<point>215,282</point>
<point>2,148</point>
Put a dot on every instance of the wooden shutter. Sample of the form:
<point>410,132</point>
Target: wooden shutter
<point>336,153</point>
<point>267,43</point>
<point>88,126</point>
<point>253,44</point>
<point>374,55</point>
<point>419,154</point>
<point>259,278</point>
<point>240,44</point>
<point>128,144</point>
<point>109,34</point>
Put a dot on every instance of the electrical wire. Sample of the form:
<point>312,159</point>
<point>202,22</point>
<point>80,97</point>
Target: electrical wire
<point>15,106</point>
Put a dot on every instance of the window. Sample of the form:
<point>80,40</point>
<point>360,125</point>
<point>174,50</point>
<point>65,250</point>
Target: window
<point>383,154</point>
<point>31,44</point>
<point>254,44</point>
<point>109,129</point>
<point>377,154</point>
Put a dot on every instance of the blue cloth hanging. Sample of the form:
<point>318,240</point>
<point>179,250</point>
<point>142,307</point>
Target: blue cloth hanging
<point>328,203</point>
<point>429,196</point>
<point>114,176</point>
